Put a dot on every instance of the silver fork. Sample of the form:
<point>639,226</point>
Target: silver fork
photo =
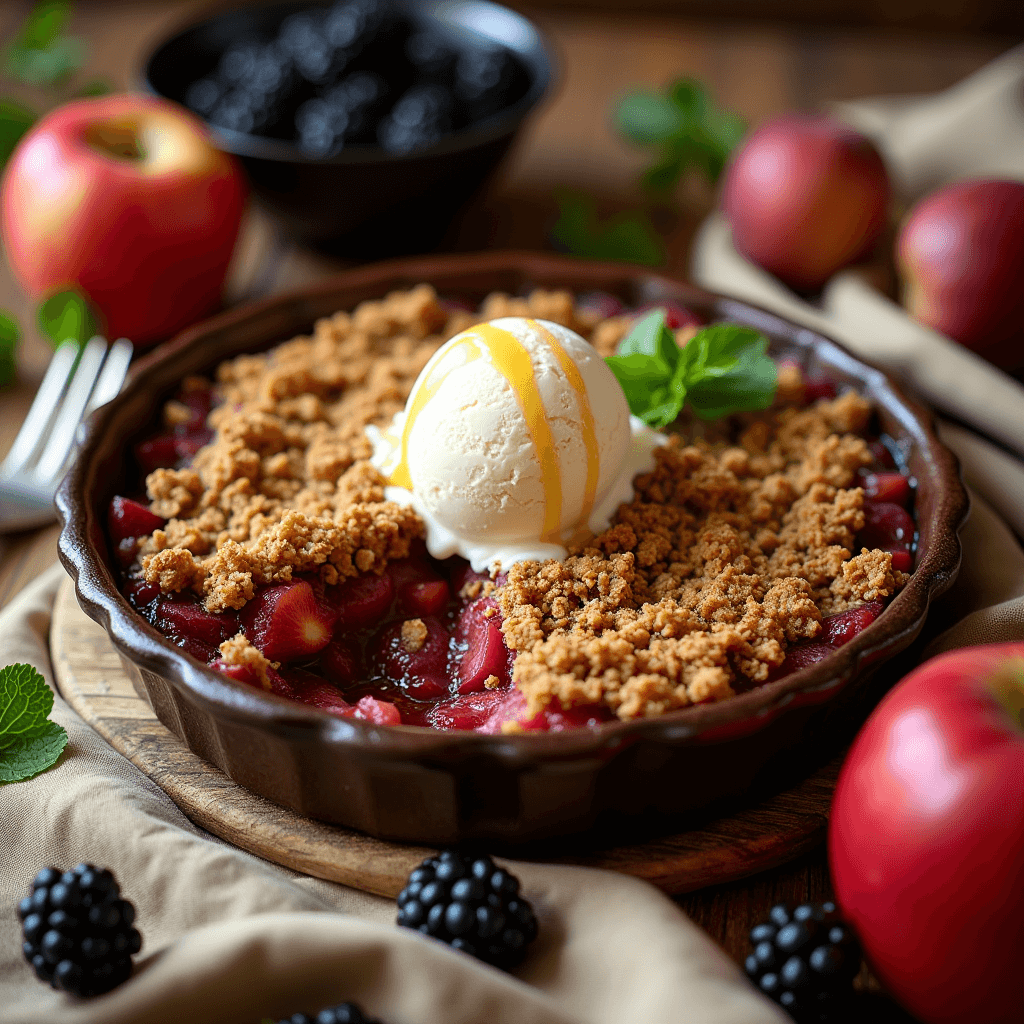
<point>71,389</point>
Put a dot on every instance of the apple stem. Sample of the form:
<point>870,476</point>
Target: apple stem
<point>122,143</point>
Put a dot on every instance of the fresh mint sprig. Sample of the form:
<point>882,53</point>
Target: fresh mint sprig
<point>723,368</point>
<point>684,127</point>
<point>29,741</point>
<point>627,237</point>
<point>42,53</point>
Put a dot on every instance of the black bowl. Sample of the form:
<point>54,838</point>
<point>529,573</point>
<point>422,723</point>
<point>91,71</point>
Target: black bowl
<point>366,201</point>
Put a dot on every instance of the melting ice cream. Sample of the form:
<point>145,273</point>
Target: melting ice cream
<point>516,441</point>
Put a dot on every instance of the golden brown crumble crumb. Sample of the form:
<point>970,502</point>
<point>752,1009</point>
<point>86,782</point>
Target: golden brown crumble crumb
<point>492,683</point>
<point>414,635</point>
<point>726,556</point>
<point>790,387</point>
<point>173,492</point>
<point>608,333</point>
<point>734,547</point>
<point>176,413</point>
<point>238,651</point>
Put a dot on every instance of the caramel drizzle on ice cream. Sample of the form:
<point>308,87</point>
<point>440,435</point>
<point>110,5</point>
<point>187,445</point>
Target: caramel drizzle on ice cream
<point>418,400</point>
<point>572,374</point>
<point>511,359</point>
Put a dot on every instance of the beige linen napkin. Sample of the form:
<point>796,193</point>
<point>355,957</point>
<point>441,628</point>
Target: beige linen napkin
<point>974,129</point>
<point>231,939</point>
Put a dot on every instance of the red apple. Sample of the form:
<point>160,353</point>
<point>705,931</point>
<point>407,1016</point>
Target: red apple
<point>961,255</point>
<point>926,838</point>
<point>806,195</point>
<point>125,198</point>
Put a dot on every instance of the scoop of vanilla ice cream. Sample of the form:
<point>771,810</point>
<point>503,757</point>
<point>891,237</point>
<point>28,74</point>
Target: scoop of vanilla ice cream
<point>513,443</point>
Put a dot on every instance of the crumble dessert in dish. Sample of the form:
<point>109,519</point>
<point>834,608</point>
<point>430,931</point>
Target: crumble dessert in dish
<point>268,544</point>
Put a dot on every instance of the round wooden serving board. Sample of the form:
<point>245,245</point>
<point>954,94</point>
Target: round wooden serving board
<point>90,678</point>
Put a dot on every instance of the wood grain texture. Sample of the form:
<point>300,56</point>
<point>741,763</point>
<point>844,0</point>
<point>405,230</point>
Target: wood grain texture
<point>90,678</point>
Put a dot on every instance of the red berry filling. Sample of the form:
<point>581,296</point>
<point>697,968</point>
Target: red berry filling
<point>177,446</point>
<point>362,601</point>
<point>479,629</point>
<point>187,618</point>
<point>889,527</point>
<point>891,487</point>
<point>842,628</point>
<point>836,630</point>
<point>129,519</point>
<point>286,622</point>
<point>418,665</point>
<point>418,589</point>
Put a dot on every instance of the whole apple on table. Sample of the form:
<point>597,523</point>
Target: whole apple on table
<point>926,838</point>
<point>960,253</point>
<point>125,199</point>
<point>807,195</point>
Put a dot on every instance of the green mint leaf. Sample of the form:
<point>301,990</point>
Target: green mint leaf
<point>48,66</point>
<point>724,368</point>
<point>29,742</point>
<point>713,352</point>
<point>25,702</point>
<point>646,365</point>
<point>685,128</point>
<point>652,397</point>
<point>41,54</point>
<point>727,342</point>
<point>747,385</point>
<point>10,334</point>
<point>711,134</point>
<point>662,413</point>
<point>651,337</point>
<point>30,755</point>
<point>661,177</point>
<point>647,118</point>
<point>15,120</point>
<point>43,24</point>
<point>627,237</point>
<point>67,316</point>
<point>634,374</point>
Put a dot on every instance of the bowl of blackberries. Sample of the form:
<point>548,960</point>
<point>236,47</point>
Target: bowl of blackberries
<point>364,125</point>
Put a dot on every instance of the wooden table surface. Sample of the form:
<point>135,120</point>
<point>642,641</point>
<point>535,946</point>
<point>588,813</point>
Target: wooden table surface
<point>756,69</point>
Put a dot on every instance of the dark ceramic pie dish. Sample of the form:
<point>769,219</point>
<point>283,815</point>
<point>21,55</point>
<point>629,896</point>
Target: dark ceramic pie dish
<point>422,785</point>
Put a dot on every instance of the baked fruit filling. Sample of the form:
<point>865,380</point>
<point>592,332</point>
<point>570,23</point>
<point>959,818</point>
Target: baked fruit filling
<point>269,545</point>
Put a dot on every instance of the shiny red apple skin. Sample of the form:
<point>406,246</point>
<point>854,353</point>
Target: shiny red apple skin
<point>148,240</point>
<point>805,196</point>
<point>960,253</point>
<point>926,839</point>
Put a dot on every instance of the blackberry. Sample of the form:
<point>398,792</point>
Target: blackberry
<point>431,56</point>
<point>346,1013</point>
<point>469,902</point>
<point>485,80</point>
<point>78,933</point>
<point>805,959</point>
<point>418,120</point>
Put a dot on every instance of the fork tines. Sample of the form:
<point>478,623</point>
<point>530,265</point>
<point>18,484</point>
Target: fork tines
<point>72,387</point>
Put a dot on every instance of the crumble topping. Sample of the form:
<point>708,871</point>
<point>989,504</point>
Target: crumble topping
<point>414,635</point>
<point>734,547</point>
<point>238,651</point>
